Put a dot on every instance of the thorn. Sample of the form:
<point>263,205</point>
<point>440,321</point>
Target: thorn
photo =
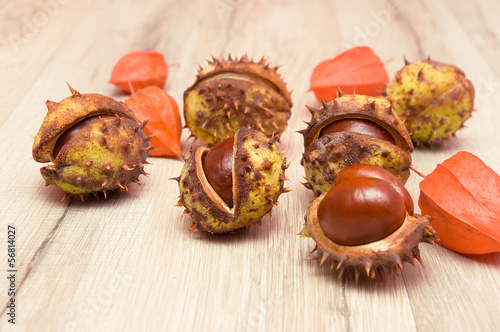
<point>356,275</point>
<point>126,168</point>
<point>104,182</point>
<point>286,190</point>
<point>193,227</point>
<point>312,258</point>
<point>49,104</point>
<point>373,104</point>
<point>341,272</point>
<point>119,184</point>
<point>179,203</point>
<point>311,110</point>
<point>73,91</point>
<point>82,197</point>
<point>302,131</point>
<point>323,258</point>
<point>341,262</point>
<point>178,178</point>
<point>118,120</point>
<point>105,194</point>
<point>406,61</point>
<point>64,197</point>
<point>368,266</point>
<point>339,92</point>
<point>398,263</point>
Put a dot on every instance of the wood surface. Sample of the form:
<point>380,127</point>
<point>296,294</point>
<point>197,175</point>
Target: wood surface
<point>129,263</point>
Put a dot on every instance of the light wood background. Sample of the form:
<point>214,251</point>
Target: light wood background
<point>129,263</point>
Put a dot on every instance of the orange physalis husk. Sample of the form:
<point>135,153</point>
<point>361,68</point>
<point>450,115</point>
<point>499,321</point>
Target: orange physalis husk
<point>358,70</point>
<point>164,119</point>
<point>462,195</point>
<point>139,69</point>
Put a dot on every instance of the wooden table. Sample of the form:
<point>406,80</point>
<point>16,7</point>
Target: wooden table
<point>128,263</point>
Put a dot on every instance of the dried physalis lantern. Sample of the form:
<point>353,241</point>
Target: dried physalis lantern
<point>94,144</point>
<point>354,129</point>
<point>234,184</point>
<point>229,94</point>
<point>366,225</point>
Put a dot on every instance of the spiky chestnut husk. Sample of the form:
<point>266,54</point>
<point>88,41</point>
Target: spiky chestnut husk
<point>376,259</point>
<point>103,155</point>
<point>325,157</point>
<point>229,94</point>
<point>432,98</point>
<point>258,172</point>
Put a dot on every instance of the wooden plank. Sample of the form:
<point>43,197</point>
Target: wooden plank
<point>129,262</point>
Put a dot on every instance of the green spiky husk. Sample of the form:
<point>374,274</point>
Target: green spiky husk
<point>104,155</point>
<point>258,178</point>
<point>231,94</point>
<point>434,100</point>
<point>325,157</point>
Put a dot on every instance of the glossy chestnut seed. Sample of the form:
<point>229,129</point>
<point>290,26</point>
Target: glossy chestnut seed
<point>377,172</point>
<point>68,134</point>
<point>218,168</point>
<point>359,126</point>
<point>360,211</point>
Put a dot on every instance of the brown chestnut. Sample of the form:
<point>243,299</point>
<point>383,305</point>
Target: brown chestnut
<point>360,211</point>
<point>359,126</point>
<point>218,168</point>
<point>372,171</point>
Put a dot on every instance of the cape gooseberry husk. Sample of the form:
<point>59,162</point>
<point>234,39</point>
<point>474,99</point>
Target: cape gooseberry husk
<point>94,144</point>
<point>229,94</point>
<point>350,130</point>
<point>257,169</point>
<point>363,226</point>
<point>433,99</point>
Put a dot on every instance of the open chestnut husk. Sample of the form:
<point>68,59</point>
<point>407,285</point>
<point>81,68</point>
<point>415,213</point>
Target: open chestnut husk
<point>234,184</point>
<point>365,224</point>
<point>354,129</point>
<point>233,93</point>
<point>94,143</point>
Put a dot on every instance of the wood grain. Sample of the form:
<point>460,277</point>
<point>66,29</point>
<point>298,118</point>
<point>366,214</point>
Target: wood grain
<point>129,263</point>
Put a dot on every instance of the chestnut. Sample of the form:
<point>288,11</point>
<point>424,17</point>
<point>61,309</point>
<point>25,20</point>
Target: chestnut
<point>365,223</point>
<point>234,184</point>
<point>218,168</point>
<point>360,211</point>
<point>372,171</point>
<point>359,126</point>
